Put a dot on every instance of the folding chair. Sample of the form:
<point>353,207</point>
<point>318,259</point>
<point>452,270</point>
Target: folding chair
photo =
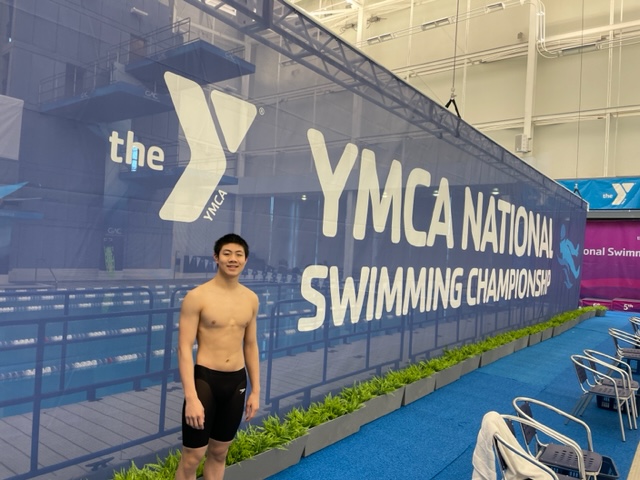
<point>627,346</point>
<point>497,444</point>
<point>557,455</point>
<point>603,381</point>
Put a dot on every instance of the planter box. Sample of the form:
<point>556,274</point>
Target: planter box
<point>535,338</point>
<point>587,316</point>
<point>546,334</point>
<point>520,343</point>
<point>267,463</point>
<point>381,405</point>
<point>416,390</point>
<point>333,431</point>
<point>491,356</point>
<point>469,365</point>
<point>559,329</point>
<point>447,376</point>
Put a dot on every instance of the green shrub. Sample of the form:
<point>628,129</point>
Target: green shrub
<point>251,441</point>
<point>320,412</point>
<point>164,469</point>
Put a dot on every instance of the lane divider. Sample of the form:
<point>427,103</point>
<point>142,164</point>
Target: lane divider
<point>84,364</point>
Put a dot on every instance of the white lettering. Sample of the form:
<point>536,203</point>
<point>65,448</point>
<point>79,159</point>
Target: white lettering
<point>217,202</point>
<point>310,294</point>
<point>369,187</point>
<point>154,157</point>
<point>332,183</point>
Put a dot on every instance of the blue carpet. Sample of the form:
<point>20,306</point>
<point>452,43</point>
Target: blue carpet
<point>434,437</point>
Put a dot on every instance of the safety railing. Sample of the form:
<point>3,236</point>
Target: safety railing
<point>69,343</point>
<point>62,340</point>
<point>81,79</point>
<point>284,340</point>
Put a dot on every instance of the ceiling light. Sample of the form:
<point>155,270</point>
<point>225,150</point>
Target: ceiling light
<point>587,47</point>
<point>494,7</point>
<point>436,23</point>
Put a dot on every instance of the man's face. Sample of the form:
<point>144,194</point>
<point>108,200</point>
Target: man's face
<point>231,259</point>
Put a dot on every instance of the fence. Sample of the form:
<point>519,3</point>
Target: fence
<point>129,344</point>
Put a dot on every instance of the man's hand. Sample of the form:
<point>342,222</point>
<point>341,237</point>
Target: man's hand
<point>194,413</point>
<point>253,404</point>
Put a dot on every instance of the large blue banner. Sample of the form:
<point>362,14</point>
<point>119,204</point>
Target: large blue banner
<point>616,193</point>
<point>383,229</point>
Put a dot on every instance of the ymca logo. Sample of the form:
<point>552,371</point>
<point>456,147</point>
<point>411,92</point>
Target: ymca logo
<point>621,191</point>
<point>208,161</point>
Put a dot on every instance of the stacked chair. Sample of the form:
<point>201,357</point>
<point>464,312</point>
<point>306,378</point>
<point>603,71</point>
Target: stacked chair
<point>610,378</point>
<point>557,451</point>
<point>536,451</point>
<point>510,459</point>
<point>626,380</point>
<point>635,324</point>
<point>627,345</point>
<point>497,445</point>
<point>598,378</point>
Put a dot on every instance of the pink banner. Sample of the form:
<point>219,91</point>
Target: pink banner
<point>611,260</point>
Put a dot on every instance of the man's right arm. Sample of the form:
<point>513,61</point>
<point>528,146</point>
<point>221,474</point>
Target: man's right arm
<point>187,332</point>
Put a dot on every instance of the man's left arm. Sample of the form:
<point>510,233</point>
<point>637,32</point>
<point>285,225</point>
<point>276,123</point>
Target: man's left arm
<point>252,361</point>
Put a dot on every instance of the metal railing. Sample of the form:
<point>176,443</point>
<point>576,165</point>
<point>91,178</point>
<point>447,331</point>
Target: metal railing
<point>85,78</point>
<point>80,80</point>
<point>39,355</point>
<point>48,351</point>
<point>284,340</point>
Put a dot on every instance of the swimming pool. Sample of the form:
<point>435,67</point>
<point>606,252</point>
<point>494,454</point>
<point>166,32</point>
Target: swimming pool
<point>94,341</point>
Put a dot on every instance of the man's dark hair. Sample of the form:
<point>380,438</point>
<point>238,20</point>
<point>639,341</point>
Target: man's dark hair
<point>230,238</point>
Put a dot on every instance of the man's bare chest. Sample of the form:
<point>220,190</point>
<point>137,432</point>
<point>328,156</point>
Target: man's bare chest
<point>226,313</point>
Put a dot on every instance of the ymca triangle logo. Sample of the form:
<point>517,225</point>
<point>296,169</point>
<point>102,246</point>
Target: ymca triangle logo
<point>208,161</point>
<point>621,191</point>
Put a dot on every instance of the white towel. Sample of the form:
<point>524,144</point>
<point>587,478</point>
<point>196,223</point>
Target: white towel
<point>484,461</point>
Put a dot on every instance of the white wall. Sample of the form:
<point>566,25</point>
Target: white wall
<point>586,104</point>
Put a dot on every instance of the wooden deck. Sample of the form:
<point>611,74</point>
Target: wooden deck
<point>78,429</point>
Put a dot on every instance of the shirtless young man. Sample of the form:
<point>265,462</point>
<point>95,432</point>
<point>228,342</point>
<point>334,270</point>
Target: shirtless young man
<point>221,316</point>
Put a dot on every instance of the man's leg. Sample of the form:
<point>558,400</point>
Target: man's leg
<point>189,462</point>
<point>216,458</point>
